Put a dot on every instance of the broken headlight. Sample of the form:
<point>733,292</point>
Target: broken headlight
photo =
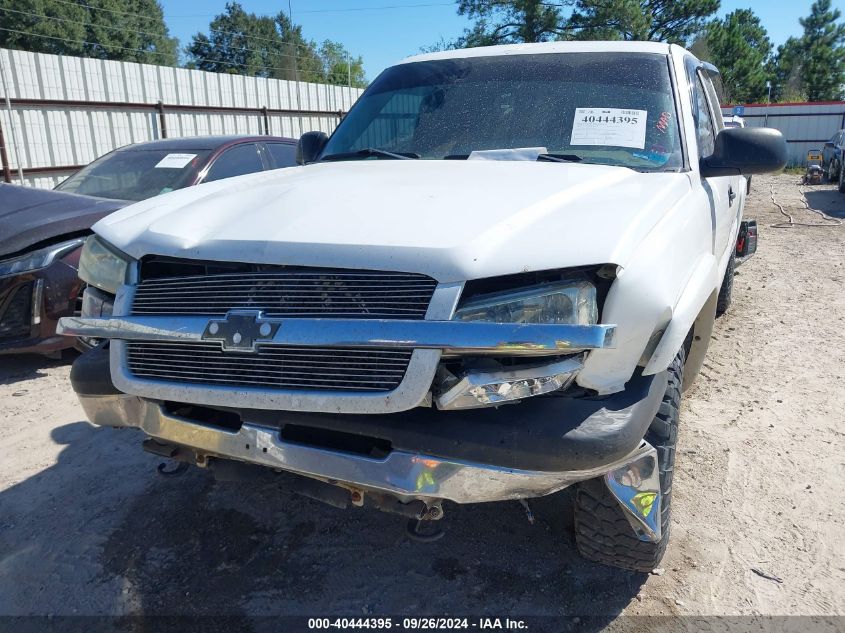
<point>102,266</point>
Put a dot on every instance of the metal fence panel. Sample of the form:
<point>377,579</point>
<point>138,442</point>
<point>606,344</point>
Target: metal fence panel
<point>806,126</point>
<point>67,111</point>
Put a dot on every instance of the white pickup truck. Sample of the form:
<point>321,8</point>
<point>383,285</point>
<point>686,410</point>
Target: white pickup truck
<point>491,282</point>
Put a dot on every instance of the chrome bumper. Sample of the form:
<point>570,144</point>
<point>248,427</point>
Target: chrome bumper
<point>246,329</point>
<point>404,475</point>
<point>448,336</point>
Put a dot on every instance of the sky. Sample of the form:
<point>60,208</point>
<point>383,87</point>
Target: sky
<point>384,31</point>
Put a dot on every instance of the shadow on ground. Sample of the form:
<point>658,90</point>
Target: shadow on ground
<point>17,367</point>
<point>101,532</point>
<point>828,200</point>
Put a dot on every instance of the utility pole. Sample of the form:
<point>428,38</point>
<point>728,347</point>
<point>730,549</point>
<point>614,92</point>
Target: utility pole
<point>12,121</point>
<point>295,71</point>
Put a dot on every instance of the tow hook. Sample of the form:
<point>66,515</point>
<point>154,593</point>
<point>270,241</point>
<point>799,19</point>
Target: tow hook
<point>423,529</point>
<point>170,451</point>
<point>178,469</point>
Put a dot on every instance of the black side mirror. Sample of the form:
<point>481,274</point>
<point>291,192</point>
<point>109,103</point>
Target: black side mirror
<point>745,151</point>
<point>829,144</point>
<point>309,147</point>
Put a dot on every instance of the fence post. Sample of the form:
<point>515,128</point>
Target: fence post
<point>162,123</point>
<point>4,157</point>
<point>266,120</point>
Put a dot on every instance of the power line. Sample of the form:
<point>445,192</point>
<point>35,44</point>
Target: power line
<point>381,8</point>
<point>147,17</point>
<point>114,28</point>
<point>346,10</point>
<point>139,50</point>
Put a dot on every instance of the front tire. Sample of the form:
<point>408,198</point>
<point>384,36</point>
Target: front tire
<point>726,291</point>
<point>602,531</point>
<point>831,171</point>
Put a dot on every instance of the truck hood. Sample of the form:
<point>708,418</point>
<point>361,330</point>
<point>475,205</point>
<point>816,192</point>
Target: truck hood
<point>452,220</point>
<point>30,216</point>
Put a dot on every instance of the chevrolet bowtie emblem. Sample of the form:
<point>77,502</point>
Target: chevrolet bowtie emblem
<point>241,330</point>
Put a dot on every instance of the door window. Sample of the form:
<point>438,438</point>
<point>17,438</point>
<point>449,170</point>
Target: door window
<point>282,154</point>
<point>704,123</point>
<point>236,161</point>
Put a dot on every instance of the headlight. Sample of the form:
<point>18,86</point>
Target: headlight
<point>102,266</point>
<point>564,302</point>
<point>41,258</point>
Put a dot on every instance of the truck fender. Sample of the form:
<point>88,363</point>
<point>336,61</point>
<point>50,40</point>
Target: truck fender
<point>695,308</point>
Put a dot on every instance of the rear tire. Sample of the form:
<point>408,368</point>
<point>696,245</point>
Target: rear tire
<point>842,181</point>
<point>602,531</point>
<point>726,291</point>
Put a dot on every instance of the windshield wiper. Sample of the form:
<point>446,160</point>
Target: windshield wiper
<point>370,151</point>
<point>560,158</point>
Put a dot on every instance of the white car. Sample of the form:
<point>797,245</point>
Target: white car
<point>734,121</point>
<point>492,282</point>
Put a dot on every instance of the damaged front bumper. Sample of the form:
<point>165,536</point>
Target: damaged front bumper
<point>407,476</point>
<point>537,448</point>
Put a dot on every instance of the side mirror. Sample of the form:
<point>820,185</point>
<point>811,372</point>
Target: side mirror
<point>829,144</point>
<point>309,147</point>
<point>745,151</point>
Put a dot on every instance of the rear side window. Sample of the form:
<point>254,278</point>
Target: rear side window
<point>236,161</point>
<point>282,154</point>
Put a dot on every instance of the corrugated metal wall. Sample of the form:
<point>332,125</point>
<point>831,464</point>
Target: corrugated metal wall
<point>806,126</point>
<point>39,135</point>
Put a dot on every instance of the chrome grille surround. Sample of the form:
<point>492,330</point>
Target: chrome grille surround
<point>297,293</point>
<point>286,293</point>
<point>412,391</point>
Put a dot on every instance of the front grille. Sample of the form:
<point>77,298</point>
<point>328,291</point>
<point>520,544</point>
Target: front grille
<point>16,315</point>
<point>291,293</point>
<point>185,288</point>
<point>272,366</point>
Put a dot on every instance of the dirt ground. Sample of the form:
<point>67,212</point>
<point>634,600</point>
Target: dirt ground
<point>88,527</point>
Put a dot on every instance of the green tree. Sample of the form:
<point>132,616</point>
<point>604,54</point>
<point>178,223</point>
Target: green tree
<point>823,70</point>
<point>673,21</point>
<point>786,71</point>
<point>126,30</point>
<point>244,43</point>
<point>739,46</point>
<point>340,67</point>
<point>812,67</point>
<point>510,21</point>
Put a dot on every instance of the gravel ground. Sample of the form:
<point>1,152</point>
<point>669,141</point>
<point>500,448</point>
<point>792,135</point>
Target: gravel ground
<point>87,527</point>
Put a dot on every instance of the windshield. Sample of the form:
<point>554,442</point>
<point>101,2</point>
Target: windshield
<point>607,108</point>
<point>136,174</point>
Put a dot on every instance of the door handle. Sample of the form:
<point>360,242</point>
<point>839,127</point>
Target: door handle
<point>731,196</point>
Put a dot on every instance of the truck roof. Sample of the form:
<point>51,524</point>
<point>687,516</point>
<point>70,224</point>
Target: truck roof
<point>547,47</point>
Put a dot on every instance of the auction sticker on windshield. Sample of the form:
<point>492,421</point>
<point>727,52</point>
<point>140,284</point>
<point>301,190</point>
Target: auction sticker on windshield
<point>175,161</point>
<point>609,126</point>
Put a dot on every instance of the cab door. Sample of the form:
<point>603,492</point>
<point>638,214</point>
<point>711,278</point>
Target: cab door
<point>724,192</point>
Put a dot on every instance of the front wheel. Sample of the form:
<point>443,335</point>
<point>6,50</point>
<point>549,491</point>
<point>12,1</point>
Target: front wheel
<point>831,171</point>
<point>726,291</point>
<point>602,531</point>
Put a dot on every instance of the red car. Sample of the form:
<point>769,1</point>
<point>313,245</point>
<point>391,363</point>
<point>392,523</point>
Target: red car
<point>41,231</point>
